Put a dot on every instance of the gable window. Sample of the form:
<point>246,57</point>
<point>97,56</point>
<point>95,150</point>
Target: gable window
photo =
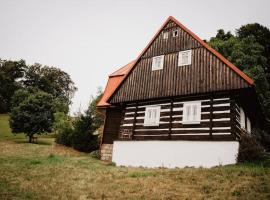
<point>165,35</point>
<point>157,62</point>
<point>184,58</point>
<point>152,115</point>
<point>175,33</point>
<point>192,113</point>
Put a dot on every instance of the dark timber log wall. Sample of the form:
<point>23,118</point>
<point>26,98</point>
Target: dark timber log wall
<point>206,73</point>
<point>112,125</point>
<point>219,127</point>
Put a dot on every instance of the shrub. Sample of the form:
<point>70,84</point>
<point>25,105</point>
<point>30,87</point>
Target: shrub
<point>83,138</point>
<point>249,149</point>
<point>78,133</point>
<point>64,137</point>
<point>63,129</point>
<point>263,137</point>
<point>95,154</point>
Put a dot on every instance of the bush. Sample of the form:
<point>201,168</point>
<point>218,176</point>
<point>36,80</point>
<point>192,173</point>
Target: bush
<point>64,137</point>
<point>95,154</point>
<point>83,138</point>
<point>78,133</point>
<point>81,132</point>
<point>63,129</point>
<point>249,149</point>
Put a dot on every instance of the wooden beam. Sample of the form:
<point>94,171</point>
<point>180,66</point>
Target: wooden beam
<point>171,114</point>
<point>211,116</point>
<point>134,121</point>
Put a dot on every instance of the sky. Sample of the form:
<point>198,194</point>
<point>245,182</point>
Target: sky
<point>89,39</point>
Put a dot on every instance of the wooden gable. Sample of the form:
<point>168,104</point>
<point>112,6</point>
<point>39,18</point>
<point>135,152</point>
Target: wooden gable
<point>208,72</point>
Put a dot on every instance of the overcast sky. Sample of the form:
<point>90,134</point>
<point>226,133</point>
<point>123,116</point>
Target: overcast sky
<point>90,39</point>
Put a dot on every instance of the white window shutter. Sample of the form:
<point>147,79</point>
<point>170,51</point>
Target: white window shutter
<point>248,125</point>
<point>184,58</point>
<point>192,113</point>
<point>197,112</point>
<point>166,35</point>
<point>242,118</point>
<point>157,62</point>
<point>152,115</point>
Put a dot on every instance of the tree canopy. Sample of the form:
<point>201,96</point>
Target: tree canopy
<point>31,113</point>
<point>15,75</point>
<point>11,72</point>
<point>248,49</point>
<point>51,80</point>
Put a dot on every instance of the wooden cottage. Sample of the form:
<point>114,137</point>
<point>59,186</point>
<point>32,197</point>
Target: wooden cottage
<point>180,103</point>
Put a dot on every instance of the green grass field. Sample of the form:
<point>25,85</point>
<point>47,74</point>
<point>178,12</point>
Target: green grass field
<point>50,171</point>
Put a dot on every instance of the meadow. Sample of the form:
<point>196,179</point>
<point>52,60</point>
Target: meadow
<point>47,170</point>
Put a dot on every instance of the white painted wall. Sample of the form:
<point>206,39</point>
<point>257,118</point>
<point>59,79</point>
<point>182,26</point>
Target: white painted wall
<point>172,154</point>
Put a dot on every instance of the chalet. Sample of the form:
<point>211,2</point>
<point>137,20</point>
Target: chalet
<point>180,103</point>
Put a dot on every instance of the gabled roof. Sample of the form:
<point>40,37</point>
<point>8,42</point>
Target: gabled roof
<point>114,81</point>
<point>124,71</point>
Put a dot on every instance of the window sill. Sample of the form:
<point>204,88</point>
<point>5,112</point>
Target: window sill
<point>194,122</point>
<point>151,125</point>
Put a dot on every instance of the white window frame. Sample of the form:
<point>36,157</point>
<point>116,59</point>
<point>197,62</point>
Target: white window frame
<point>188,108</point>
<point>155,65</point>
<point>242,119</point>
<point>180,58</point>
<point>165,35</point>
<point>149,110</point>
<point>248,125</point>
<point>175,31</point>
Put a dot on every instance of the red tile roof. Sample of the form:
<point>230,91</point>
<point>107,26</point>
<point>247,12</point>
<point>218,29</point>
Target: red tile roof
<point>114,81</point>
<point>116,78</point>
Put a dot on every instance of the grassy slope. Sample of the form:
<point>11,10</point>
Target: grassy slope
<point>49,171</point>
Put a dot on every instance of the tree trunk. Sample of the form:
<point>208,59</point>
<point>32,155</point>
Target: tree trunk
<point>30,138</point>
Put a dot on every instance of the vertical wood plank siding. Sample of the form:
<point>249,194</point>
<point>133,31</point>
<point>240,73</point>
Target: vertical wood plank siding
<point>219,127</point>
<point>206,73</point>
<point>112,125</point>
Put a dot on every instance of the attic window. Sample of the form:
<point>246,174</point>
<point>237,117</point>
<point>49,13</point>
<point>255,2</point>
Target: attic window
<point>152,115</point>
<point>157,62</point>
<point>192,113</point>
<point>184,58</point>
<point>165,35</point>
<point>175,33</point>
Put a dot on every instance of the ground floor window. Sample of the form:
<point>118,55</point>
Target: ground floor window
<point>152,115</point>
<point>192,113</point>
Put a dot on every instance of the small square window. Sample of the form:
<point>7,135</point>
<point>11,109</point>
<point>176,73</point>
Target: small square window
<point>165,35</point>
<point>192,113</point>
<point>157,62</point>
<point>152,115</point>
<point>184,58</point>
<point>175,33</point>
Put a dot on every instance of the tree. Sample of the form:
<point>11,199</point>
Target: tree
<point>262,36</point>
<point>83,137</point>
<point>80,133</point>
<point>98,117</point>
<point>31,113</point>
<point>246,51</point>
<point>51,80</point>
<point>10,74</point>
